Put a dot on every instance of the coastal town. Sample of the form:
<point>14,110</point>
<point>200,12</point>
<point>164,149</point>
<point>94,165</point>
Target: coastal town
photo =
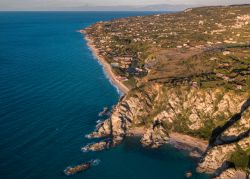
<point>209,46</point>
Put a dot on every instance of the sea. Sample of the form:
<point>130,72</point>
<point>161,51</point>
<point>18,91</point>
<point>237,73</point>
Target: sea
<point>51,91</point>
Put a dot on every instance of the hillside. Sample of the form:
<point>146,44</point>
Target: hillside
<point>187,73</point>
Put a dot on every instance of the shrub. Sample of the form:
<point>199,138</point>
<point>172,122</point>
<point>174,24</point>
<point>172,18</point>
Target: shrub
<point>240,158</point>
<point>205,131</point>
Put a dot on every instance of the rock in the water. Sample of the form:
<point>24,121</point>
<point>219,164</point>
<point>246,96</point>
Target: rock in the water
<point>81,167</point>
<point>104,144</point>
<point>77,169</point>
<point>105,112</point>
<point>188,174</point>
<point>103,129</point>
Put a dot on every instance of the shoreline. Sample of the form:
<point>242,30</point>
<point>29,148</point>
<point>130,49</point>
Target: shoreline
<point>193,145</point>
<point>106,66</point>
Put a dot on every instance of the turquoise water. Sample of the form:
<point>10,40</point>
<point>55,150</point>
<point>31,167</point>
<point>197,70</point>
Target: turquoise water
<point>51,90</point>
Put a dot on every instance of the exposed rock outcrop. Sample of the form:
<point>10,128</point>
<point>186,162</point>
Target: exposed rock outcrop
<point>93,147</point>
<point>155,136</point>
<point>224,141</point>
<point>193,111</point>
<point>191,108</point>
<point>215,159</point>
<point>81,167</point>
<point>231,174</point>
<point>123,116</point>
<point>104,112</point>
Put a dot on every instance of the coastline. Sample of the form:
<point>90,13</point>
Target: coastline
<point>106,66</point>
<point>151,106</point>
<point>193,145</point>
<point>177,140</point>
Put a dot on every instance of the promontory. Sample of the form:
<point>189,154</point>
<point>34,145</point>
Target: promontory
<point>186,81</point>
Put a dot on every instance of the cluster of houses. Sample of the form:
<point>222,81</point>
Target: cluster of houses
<point>123,62</point>
<point>126,64</point>
<point>159,29</point>
<point>116,39</point>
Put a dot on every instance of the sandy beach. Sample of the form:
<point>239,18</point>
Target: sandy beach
<point>186,142</point>
<point>106,66</point>
<point>178,140</point>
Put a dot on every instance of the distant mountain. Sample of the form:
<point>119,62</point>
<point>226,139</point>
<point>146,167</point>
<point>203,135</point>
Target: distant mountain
<point>165,7</point>
<point>158,7</point>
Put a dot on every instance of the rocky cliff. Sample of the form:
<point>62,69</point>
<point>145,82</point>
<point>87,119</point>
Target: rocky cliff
<point>224,115</point>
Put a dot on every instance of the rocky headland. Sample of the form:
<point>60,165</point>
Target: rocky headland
<point>186,81</point>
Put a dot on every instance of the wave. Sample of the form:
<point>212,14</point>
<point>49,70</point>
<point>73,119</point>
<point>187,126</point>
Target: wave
<point>106,74</point>
<point>95,162</point>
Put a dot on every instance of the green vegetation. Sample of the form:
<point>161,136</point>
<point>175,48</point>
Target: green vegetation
<point>181,125</point>
<point>205,131</point>
<point>240,158</point>
<point>130,83</point>
<point>202,47</point>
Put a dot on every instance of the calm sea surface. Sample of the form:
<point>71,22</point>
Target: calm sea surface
<point>51,90</point>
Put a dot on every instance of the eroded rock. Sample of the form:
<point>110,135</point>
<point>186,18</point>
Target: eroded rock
<point>155,136</point>
<point>93,147</point>
<point>81,167</point>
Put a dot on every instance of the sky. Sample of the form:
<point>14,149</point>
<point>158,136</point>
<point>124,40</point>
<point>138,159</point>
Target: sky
<point>64,4</point>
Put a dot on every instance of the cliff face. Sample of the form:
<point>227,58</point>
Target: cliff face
<point>224,115</point>
<point>225,140</point>
<point>125,115</point>
<point>181,109</point>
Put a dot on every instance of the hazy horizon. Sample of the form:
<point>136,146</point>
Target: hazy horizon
<point>85,5</point>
